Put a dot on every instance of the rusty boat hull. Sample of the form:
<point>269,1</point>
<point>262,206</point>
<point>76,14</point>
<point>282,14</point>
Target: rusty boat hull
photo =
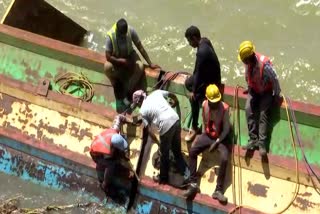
<point>41,123</point>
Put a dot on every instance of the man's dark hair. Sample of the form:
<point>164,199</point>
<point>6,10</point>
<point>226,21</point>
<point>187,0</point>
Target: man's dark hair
<point>192,31</point>
<point>122,26</point>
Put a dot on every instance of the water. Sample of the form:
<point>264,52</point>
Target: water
<point>288,31</point>
<point>36,196</point>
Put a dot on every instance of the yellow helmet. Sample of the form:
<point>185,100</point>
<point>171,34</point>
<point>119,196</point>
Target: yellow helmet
<point>213,93</point>
<point>246,49</point>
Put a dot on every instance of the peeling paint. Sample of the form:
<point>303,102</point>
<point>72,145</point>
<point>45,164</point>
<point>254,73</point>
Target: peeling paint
<point>257,189</point>
<point>304,204</point>
<point>144,208</point>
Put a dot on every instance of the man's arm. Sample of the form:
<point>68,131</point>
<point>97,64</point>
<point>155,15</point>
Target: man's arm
<point>225,127</point>
<point>170,95</point>
<point>174,99</point>
<point>114,60</point>
<point>119,120</point>
<point>224,133</point>
<point>138,44</point>
<point>270,75</point>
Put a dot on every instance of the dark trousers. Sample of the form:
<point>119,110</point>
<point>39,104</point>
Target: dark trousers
<point>171,140</point>
<point>258,116</point>
<point>202,143</point>
<point>196,103</point>
<point>105,168</point>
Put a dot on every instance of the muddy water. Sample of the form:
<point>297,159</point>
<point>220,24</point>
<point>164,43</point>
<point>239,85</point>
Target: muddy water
<point>36,196</point>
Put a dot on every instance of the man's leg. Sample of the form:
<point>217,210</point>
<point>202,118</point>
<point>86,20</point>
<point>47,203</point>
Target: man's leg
<point>165,141</point>
<point>251,115</point>
<point>110,72</point>
<point>201,143</point>
<point>176,150</point>
<point>224,156</point>
<point>113,74</point>
<point>195,108</point>
<point>189,83</point>
<point>135,76</point>
<point>108,172</point>
<point>266,101</point>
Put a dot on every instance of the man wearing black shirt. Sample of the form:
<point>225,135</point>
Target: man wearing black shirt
<point>206,72</point>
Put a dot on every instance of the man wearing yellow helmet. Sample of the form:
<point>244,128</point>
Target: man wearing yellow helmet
<point>216,127</point>
<point>263,87</point>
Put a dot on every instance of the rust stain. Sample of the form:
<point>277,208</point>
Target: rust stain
<point>6,104</point>
<point>258,189</point>
<point>86,149</point>
<point>304,204</point>
<point>85,132</point>
<point>308,144</point>
<point>31,74</point>
<point>306,194</point>
<point>25,115</point>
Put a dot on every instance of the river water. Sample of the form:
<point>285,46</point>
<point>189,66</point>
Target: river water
<point>288,31</point>
<point>34,196</point>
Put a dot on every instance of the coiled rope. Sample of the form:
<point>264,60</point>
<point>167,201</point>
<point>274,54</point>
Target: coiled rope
<point>71,83</point>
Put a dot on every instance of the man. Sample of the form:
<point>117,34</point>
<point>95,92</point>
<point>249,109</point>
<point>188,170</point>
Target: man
<point>155,111</point>
<point>206,71</point>
<point>263,88</point>
<point>107,149</point>
<point>123,66</point>
<point>216,127</point>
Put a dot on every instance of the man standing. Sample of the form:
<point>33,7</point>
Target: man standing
<point>107,149</point>
<point>263,87</point>
<point>123,66</point>
<point>206,71</point>
<point>216,127</point>
<point>156,111</point>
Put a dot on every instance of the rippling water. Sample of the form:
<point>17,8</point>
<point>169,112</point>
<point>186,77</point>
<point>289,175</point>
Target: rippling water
<point>35,196</point>
<point>288,31</point>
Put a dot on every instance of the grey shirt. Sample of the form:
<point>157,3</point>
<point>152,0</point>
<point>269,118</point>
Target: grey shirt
<point>122,43</point>
<point>156,111</point>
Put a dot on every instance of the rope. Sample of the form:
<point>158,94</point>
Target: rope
<point>77,83</point>
<point>297,186</point>
<point>306,162</point>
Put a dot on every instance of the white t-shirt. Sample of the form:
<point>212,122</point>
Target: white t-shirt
<point>156,111</point>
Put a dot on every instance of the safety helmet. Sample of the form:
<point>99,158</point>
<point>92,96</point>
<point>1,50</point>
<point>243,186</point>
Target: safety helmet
<point>246,49</point>
<point>119,142</point>
<point>213,94</point>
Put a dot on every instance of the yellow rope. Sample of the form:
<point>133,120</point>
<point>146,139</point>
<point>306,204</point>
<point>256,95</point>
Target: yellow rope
<point>297,186</point>
<point>65,80</point>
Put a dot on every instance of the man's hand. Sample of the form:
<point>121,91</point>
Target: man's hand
<point>131,174</point>
<point>214,145</point>
<point>154,66</point>
<point>137,120</point>
<point>191,96</point>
